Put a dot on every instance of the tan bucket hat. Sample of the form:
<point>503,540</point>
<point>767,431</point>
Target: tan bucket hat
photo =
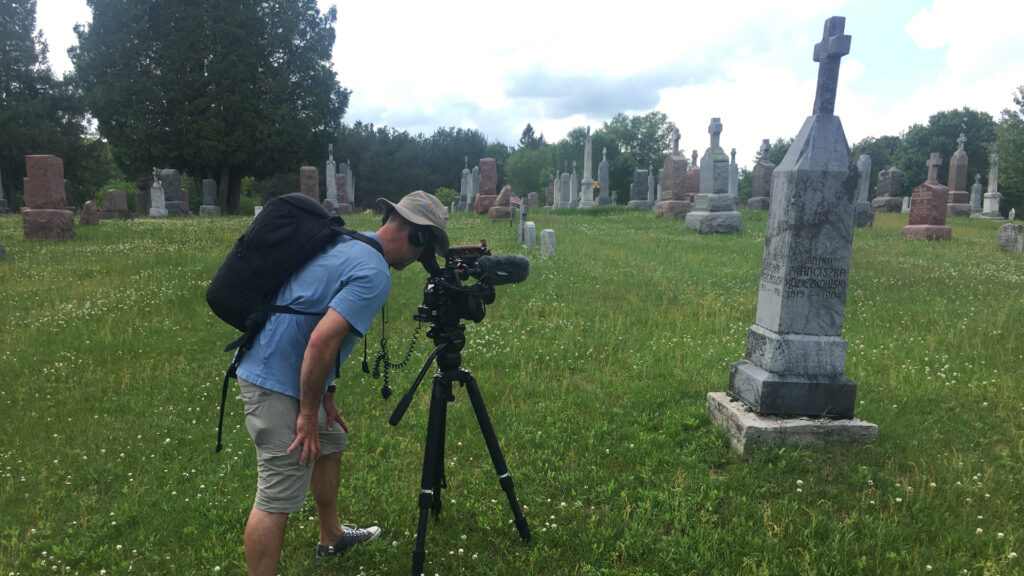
<point>425,210</point>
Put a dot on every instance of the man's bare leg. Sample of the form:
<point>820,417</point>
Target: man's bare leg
<point>264,538</point>
<point>324,485</point>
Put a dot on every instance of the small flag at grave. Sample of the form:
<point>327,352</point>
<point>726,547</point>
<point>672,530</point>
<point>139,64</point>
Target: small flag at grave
<point>513,199</point>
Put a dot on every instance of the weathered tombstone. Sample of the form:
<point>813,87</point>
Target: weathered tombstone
<point>905,208</point>
<point>174,199</point>
<point>734,179</point>
<point>45,215</point>
<point>928,207</point>
<point>959,198</point>
<point>1011,237</point>
<point>976,193</point>
<point>90,215</point>
<point>862,215</point>
<point>532,200</point>
<point>574,188</point>
<point>661,182</point>
<point>158,202</point>
<point>602,179</point>
<point>4,206</point>
<point>651,185</point>
<point>521,232</point>
<point>890,191</point>
<point>350,184</point>
<point>562,190</point>
<point>474,189</point>
<point>465,184</point>
<point>587,184</point>
<point>142,201</point>
<point>796,355</point>
<point>760,196</point>
<point>331,201</point>
<point>547,242</point>
<point>488,191</point>
<point>990,209</point>
<point>115,205</point>
<point>67,193</point>
<point>714,211</point>
<point>309,182</point>
<point>531,235</point>
<point>692,179</point>
<point>342,184</point>
<point>502,207</point>
<point>638,193</point>
<point>673,202</point>
<point>549,192</point>
<point>210,206</point>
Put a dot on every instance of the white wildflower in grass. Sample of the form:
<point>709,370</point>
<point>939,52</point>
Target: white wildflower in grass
<point>898,500</point>
<point>928,567</point>
<point>978,531</point>
<point>1000,535</point>
<point>1013,555</point>
<point>799,482</point>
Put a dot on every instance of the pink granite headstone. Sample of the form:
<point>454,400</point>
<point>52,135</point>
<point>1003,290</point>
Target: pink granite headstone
<point>488,193</point>
<point>928,207</point>
<point>44,216</point>
<point>501,209</point>
<point>115,205</point>
<point>90,214</point>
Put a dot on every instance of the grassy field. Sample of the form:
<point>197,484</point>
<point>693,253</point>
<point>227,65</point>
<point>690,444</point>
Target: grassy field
<point>595,372</point>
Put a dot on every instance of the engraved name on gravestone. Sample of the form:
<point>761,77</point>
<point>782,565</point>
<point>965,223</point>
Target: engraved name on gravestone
<point>796,354</point>
<point>928,207</point>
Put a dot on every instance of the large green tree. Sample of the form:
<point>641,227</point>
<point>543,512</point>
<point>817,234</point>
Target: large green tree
<point>646,137</point>
<point>220,89</point>
<point>940,135</point>
<point>881,151</point>
<point>1010,138</point>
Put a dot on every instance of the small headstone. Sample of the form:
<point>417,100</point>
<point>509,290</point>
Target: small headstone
<point>1011,237</point>
<point>714,210</point>
<point>905,206</point>
<point>115,205</point>
<point>1013,214</point>
<point>45,216</point>
<point>549,192</point>
<point>531,235</point>
<point>862,215</point>
<point>502,208</point>
<point>532,200</point>
<point>175,201</point>
<point>760,197</point>
<point>474,190</point>
<point>90,215</point>
<point>796,355</point>
<point>210,207</point>
<point>488,191</point>
<point>574,188</point>
<point>158,202</point>
<point>976,197</point>
<point>890,192</point>
<point>692,179</point>
<point>521,234</point>
<point>959,198</point>
<point>309,182</point>
<point>928,207</point>
<point>547,242</point>
<point>990,207</point>
<point>602,179</point>
<point>638,193</point>
<point>465,183</point>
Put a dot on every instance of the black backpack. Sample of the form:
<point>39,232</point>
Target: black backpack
<point>286,234</point>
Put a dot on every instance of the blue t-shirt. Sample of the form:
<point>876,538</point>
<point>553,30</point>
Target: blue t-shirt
<point>350,277</point>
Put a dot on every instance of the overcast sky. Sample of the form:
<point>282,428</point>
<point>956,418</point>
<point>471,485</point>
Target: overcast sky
<point>494,66</point>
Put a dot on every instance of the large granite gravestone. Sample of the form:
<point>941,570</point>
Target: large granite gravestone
<point>928,207</point>
<point>862,215</point>
<point>210,206</point>
<point>990,207</point>
<point>714,210</point>
<point>4,206</point>
<point>488,191</point>
<point>587,184</point>
<point>638,193</point>
<point>547,242</point>
<point>760,196</point>
<point>309,182</point>
<point>796,354</point>
<point>890,191</point>
<point>142,201</point>
<point>45,215</point>
<point>692,179</point>
<point>157,199</point>
<point>342,184</point>
<point>959,198</point>
<point>174,198</point>
<point>602,179</point>
<point>115,205</point>
<point>562,198</point>
<point>976,197</point>
<point>90,215</point>
<point>673,196</point>
<point>502,207</point>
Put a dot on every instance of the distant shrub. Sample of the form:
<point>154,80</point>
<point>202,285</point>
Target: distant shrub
<point>125,186</point>
<point>445,195</point>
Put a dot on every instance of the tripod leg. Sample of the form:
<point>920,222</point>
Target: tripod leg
<point>496,457</point>
<point>439,481</point>
<point>431,461</point>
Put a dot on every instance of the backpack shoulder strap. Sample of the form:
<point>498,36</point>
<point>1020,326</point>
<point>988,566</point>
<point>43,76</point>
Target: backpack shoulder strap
<point>361,237</point>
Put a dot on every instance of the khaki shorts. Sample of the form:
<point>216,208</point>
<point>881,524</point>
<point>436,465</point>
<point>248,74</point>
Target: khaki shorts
<point>270,418</point>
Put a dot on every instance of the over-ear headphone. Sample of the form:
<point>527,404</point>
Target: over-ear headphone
<point>418,235</point>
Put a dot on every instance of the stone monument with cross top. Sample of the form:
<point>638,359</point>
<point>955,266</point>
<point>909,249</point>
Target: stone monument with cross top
<point>791,387</point>
<point>714,210</point>
<point>928,207</point>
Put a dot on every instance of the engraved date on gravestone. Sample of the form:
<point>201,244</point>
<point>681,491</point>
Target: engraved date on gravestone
<point>814,277</point>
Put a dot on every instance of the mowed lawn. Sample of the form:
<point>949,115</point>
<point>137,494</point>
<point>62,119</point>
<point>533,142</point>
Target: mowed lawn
<point>595,372</point>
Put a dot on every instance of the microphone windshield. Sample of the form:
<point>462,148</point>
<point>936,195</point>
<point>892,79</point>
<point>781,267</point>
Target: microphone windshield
<point>503,269</point>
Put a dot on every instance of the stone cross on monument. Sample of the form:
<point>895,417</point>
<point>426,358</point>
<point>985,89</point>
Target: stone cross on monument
<point>465,162</point>
<point>765,149</point>
<point>675,142</point>
<point>732,156</point>
<point>833,46</point>
<point>715,129</point>
<point>961,141</point>
<point>934,161</point>
<point>604,154</point>
<point>330,152</point>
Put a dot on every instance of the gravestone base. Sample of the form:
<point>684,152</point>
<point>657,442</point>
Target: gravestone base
<point>485,203</point>
<point>641,204</point>
<point>887,204</point>
<point>748,430</point>
<point>759,203</point>
<point>209,210</point>
<point>113,215</point>
<point>1011,237</point>
<point>155,212</point>
<point>927,232</point>
<point>990,215</point>
<point>177,208</point>
<point>344,208</point>
<point>587,203</point>
<point>729,222</point>
<point>672,209</point>
<point>47,224</point>
<point>768,393</point>
<point>604,201</point>
<point>961,210</point>
<point>500,213</point>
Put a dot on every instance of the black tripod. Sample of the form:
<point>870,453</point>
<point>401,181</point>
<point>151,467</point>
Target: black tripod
<point>450,339</point>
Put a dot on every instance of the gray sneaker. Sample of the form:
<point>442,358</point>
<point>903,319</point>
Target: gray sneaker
<point>350,536</point>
